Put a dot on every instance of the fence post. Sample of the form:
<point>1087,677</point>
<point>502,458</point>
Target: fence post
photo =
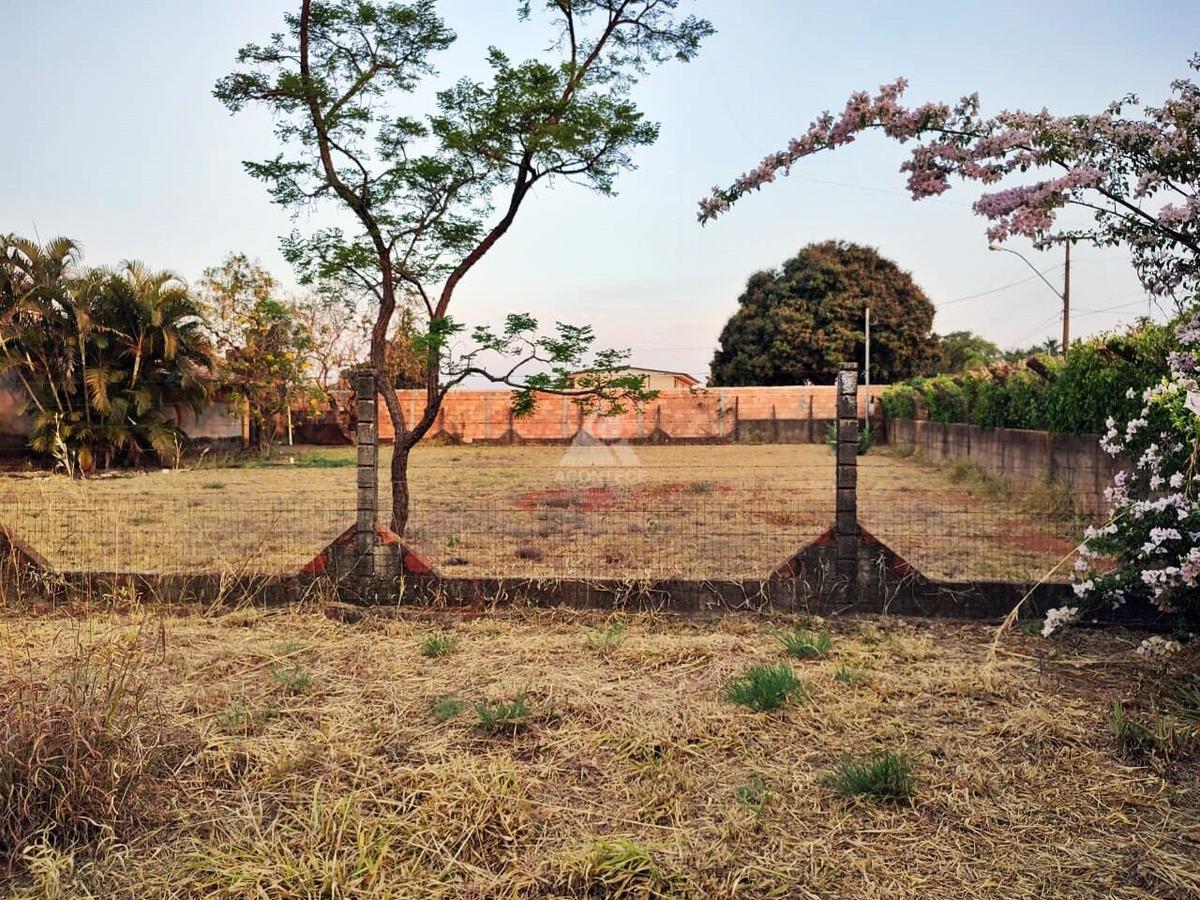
<point>367,441</point>
<point>846,521</point>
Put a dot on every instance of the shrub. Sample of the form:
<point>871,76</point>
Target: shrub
<point>81,755</point>
<point>764,688</point>
<point>435,645</point>
<point>501,715</point>
<point>866,438</point>
<point>806,644</point>
<point>884,775</point>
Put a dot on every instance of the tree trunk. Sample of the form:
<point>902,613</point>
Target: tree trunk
<point>400,495</point>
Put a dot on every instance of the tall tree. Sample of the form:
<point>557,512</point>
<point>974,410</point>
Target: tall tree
<point>265,342</point>
<point>962,350</point>
<point>795,325</point>
<point>420,189</point>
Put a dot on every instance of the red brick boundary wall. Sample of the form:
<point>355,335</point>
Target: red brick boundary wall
<point>793,415</point>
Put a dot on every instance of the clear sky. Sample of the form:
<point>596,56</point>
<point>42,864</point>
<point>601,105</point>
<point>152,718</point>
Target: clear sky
<point>112,136</point>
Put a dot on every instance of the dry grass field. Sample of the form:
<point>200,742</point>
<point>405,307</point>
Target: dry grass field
<point>281,754</point>
<point>542,512</point>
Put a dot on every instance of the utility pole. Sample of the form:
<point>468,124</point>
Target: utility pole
<point>867,366</point>
<point>1066,298</point>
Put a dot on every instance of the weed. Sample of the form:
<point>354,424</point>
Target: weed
<point>884,775</point>
<point>243,719</point>
<point>806,644</point>
<point>293,679</point>
<point>753,793</point>
<point>212,486</point>
<point>1032,628</point>
<point>607,640</point>
<point>1135,737</point>
<point>529,552</point>
<point>435,645</point>
<point>700,487</point>
<point>763,688</point>
<point>80,756</point>
<point>619,867</point>
<point>446,708</point>
<point>849,675</point>
<point>502,715</point>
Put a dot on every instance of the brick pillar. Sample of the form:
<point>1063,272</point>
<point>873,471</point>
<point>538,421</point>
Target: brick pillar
<point>367,440</point>
<point>846,521</point>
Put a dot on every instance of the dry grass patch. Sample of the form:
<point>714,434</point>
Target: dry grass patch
<point>630,774</point>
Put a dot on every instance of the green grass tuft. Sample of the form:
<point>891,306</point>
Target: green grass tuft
<point>435,645</point>
<point>764,688</point>
<point>608,639</point>
<point>850,675</point>
<point>884,775</point>
<point>293,679</point>
<point>806,644</point>
<point>503,715</point>
<point>446,708</point>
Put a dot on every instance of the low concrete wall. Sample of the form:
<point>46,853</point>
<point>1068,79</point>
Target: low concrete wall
<point>1026,459</point>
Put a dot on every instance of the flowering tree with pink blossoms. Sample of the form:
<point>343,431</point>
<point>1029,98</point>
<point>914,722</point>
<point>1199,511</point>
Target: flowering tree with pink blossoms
<point>1136,170</point>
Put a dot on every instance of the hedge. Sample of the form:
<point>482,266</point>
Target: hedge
<point>1073,395</point>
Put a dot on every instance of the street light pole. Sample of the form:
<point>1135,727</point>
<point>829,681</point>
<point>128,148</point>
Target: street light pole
<point>1064,295</point>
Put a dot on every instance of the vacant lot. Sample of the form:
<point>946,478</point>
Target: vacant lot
<point>281,754</point>
<point>644,512</point>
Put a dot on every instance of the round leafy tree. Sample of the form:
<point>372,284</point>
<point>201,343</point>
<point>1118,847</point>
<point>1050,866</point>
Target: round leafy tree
<point>796,324</point>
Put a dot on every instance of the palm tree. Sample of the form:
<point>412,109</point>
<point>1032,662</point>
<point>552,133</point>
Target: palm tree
<point>107,358</point>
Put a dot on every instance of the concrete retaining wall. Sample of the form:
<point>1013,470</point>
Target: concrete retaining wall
<point>1026,459</point>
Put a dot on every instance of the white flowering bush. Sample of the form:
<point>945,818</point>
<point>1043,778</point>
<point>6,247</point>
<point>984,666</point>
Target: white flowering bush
<point>1150,548</point>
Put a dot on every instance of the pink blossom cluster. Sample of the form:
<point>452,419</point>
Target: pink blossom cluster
<point>1137,175</point>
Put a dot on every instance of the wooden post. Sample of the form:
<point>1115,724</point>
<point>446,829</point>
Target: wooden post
<point>846,520</point>
<point>367,440</point>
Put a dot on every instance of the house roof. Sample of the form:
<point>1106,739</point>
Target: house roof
<point>643,370</point>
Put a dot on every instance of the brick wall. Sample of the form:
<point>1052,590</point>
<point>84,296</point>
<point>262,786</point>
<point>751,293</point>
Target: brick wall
<point>697,414</point>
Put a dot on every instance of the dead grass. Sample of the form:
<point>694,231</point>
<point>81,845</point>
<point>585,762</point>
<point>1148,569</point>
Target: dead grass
<point>632,775</point>
<point>719,512</point>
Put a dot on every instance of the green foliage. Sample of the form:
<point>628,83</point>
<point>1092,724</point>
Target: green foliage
<point>753,793</point>
<point>866,438</point>
<point>883,775</point>
<point>104,357</point>
<point>799,323</point>
<point>266,343</point>
<point>503,715</point>
<point>963,350</point>
<point>446,708</point>
<point>763,688</point>
<point>240,717</point>
<point>1074,395</point>
<point>607,640</point>
<point>435,645</point>
<point>850,675</point>
<point>293,679</point>
<point>804,644</point>
<point>1156,735</point>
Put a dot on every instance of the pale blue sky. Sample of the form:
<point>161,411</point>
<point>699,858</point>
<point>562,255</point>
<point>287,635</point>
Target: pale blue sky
<point>112,137</point>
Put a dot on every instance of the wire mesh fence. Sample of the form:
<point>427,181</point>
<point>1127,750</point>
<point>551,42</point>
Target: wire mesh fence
<point>697,512</point>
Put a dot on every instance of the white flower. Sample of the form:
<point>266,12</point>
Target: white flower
<point>1157,646</point>
<point>1057,618</point>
